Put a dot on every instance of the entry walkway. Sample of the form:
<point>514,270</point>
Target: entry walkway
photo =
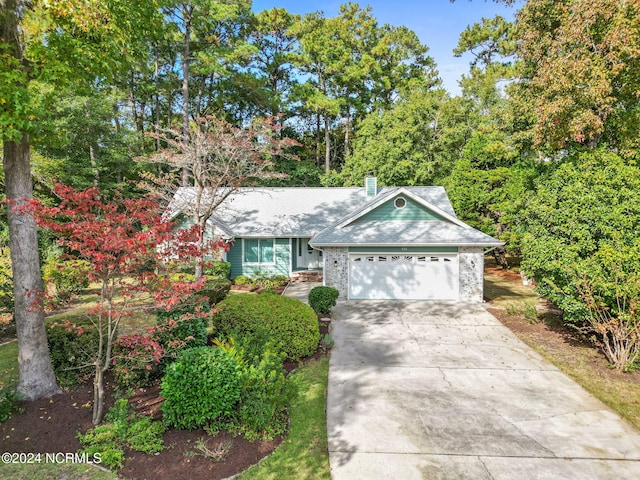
<point>300,290</point>
<point>426,390</point>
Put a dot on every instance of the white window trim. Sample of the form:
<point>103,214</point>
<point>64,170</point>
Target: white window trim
<point>273,262</point>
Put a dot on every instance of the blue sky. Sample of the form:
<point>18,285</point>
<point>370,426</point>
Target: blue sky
<point>438,24</point>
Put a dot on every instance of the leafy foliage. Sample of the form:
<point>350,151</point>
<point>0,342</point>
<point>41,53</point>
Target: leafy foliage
<point>200,387</point>
<point>217,269</point>
<point>122,430</point>
<point>134,358</point>
<point>69,277</point>
<point>286,320</point>
<point>580,244</point>
<point>182,327</point>
<point>6,281</point>
<point>8,402</point>
<point>265,393</point>
<point>322,299</point>
<point>215,290</point>
<point>72,348</point>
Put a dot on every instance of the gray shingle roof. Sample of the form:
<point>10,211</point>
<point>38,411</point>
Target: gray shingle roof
<point>319,212</point>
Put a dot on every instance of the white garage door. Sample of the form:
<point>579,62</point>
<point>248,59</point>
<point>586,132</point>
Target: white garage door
<point>403,276</point>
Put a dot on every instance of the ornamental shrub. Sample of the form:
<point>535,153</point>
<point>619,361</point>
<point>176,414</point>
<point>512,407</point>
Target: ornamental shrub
<point>266,392</point>
<point>217,269</point>
<point>288,321</point>
<point>200,387</point>
<point>68,276</point>
<point>71,347</point>
<point>242,280</point>
<point>123,429</point>
<point>182,327</point>
<point>134,358</point>
<point>323,299</point>
<point>215,290</point>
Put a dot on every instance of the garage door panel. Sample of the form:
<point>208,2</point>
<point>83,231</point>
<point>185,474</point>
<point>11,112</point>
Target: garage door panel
<point>404,277</point>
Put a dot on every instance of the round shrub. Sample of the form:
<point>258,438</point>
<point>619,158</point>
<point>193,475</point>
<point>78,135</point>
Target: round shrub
<point>216,290</point>
<point>242,280</point>
<point>134,357</point>
<point>323,299</point>
<point>286,320</point>
<point>201,386</point>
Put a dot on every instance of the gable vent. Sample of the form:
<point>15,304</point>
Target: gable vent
<point>371,186</point>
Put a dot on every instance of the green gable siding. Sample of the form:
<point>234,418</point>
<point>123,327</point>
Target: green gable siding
<point>403,249</point>
<point>411,211</point>
<point>281,266</point>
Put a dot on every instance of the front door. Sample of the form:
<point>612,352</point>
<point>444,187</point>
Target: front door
<point>308,257</point>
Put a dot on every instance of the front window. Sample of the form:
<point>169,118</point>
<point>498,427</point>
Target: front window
<point>259,250</point>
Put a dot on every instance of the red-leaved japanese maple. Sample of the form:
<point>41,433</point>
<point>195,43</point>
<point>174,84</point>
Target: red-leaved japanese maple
<point>120,239</point>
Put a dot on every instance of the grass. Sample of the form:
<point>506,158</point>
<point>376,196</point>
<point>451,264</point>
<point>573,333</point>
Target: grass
<point>304,453</point>
<point>48,471</point>
<point>8,363</point>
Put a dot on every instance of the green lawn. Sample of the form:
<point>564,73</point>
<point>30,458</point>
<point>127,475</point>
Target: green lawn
<point>8,363</point>
<point>48,471</point>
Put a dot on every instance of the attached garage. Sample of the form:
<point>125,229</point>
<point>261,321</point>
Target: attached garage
<point>410,276</point>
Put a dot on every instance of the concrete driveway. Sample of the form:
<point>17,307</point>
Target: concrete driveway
<point>424,390</point>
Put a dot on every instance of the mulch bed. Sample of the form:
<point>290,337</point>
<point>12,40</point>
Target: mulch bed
<point>50,426</point>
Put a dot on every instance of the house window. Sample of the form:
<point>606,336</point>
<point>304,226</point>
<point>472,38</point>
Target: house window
<point>400,202</point>
<point>259,250</point>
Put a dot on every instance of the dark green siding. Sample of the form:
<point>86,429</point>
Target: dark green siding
<point>411,211</point>
<point>403,249</point>
<point>281,267</point>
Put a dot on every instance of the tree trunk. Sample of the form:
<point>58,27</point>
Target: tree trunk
<point>35,374</point>
<point>327,144</point>
<point>185,85</point>
<point>98,395</point>
<point>318,154</point>
<point>200,256</point>
<point>347,128</point>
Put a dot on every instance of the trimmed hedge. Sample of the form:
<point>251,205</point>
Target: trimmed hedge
<point>323,299</point>
<point>201,386</point>
<point>287,321</point>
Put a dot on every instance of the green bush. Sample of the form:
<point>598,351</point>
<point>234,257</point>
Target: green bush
<point>287,321</point>
<point>6,281</point>
<point>72,348</point>
<point>123,430</point>
<point>8,399</point>
<point>200,387</point>
<point>265,395</point>
<point>217,269</point>
<point>68,276</point>
<point>134,358</point>
<point>182,327</point>
<point>242,280</point>
<point>215,290</point>
<point>323,299</point>
<point>280,280</point>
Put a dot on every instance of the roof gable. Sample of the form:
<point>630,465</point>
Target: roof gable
<point>383,208</point>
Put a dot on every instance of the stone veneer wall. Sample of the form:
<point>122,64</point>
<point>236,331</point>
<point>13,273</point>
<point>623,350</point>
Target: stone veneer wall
<point>336,269</point>
<point>471,260</point>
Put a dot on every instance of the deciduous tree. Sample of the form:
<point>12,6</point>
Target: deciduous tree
<point>221,158</point>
